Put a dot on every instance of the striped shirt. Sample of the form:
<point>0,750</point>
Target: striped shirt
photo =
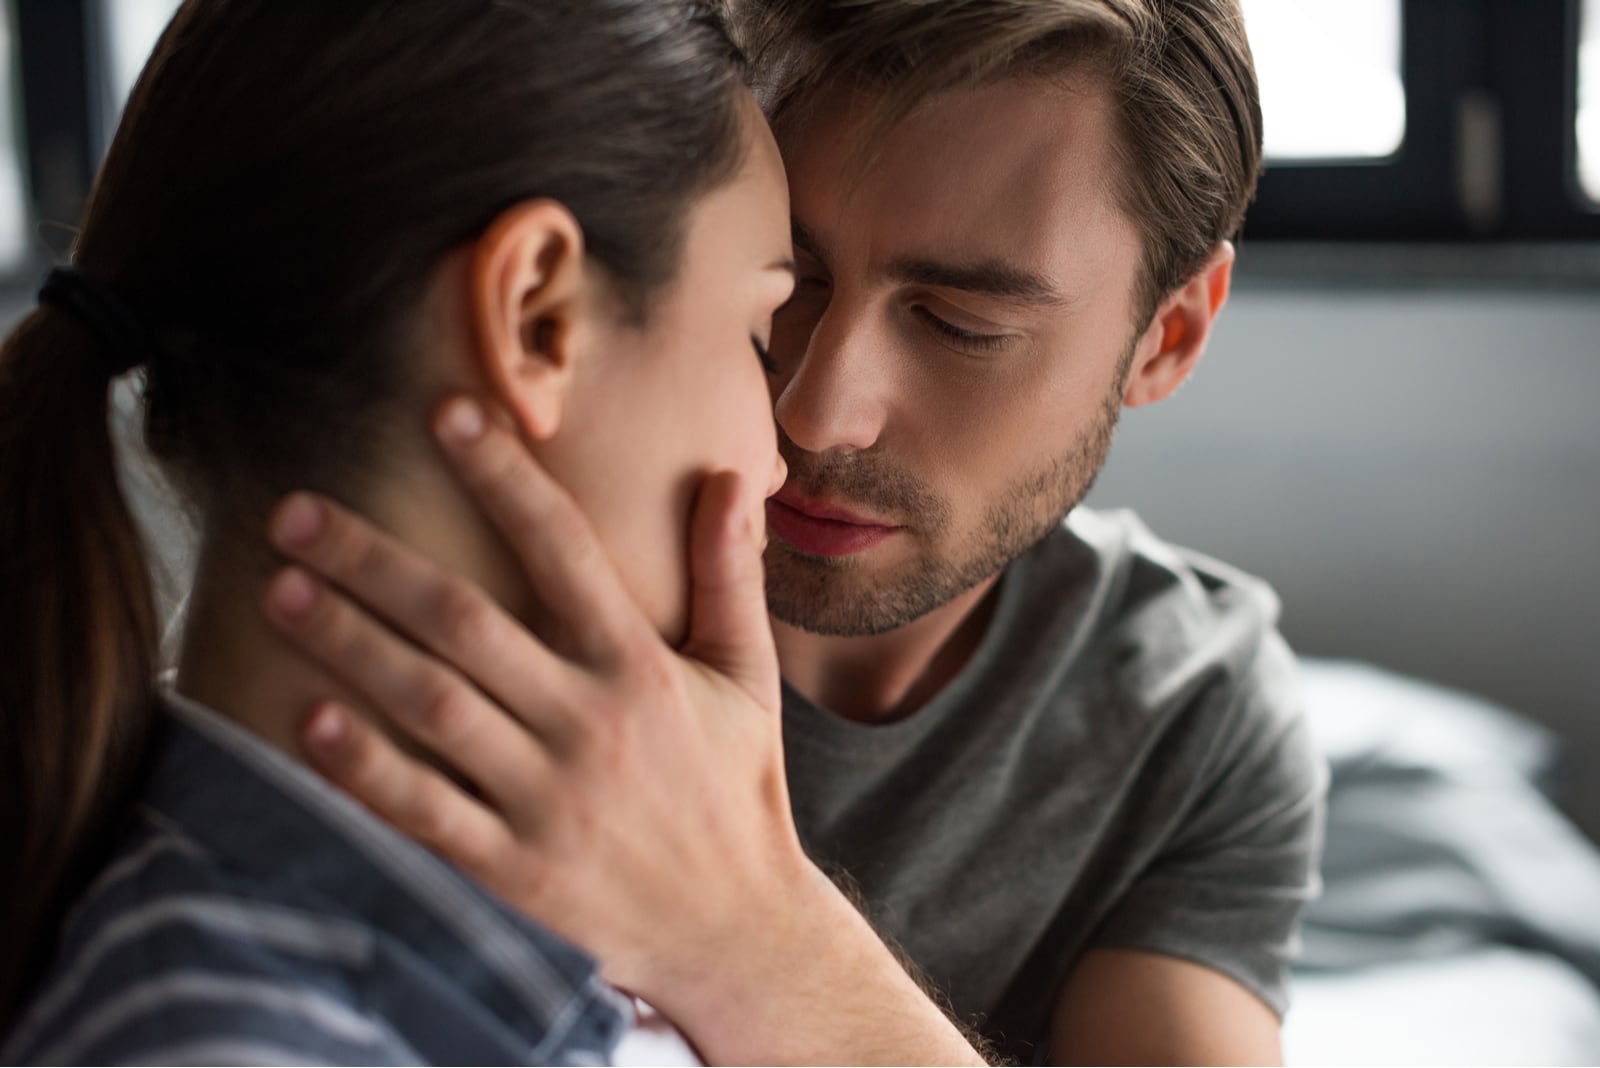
<point>254,915</point>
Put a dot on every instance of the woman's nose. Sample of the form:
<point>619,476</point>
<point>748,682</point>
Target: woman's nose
<point>780,472</point>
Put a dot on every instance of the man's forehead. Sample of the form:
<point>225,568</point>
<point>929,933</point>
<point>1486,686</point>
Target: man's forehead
<point>1007,172</point>
<point>1011,116</point>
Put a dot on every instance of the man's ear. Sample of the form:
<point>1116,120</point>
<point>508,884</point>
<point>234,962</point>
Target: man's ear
<point>1172,346</point>
<point>528,288</point>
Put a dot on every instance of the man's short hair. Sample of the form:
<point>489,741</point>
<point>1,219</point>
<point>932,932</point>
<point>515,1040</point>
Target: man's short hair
<point>1179,72</point>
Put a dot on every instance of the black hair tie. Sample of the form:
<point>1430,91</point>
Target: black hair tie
<point>124,341</point>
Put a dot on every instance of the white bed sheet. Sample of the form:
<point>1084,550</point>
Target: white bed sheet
<point>1460,918</point>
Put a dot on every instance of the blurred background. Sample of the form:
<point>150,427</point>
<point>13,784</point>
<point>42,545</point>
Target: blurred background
<point>1395,425</point>
<point>1396,422</point>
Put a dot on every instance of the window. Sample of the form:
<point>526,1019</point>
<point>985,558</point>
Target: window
<point>13,201</point>
<point>131,29</point>
<point>1455,122</point>
<point>1589,100</point>
<point>1331,85</point>
<point>1440,122</point>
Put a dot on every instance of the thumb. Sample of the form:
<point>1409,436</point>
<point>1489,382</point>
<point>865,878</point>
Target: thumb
<point>729,631</point>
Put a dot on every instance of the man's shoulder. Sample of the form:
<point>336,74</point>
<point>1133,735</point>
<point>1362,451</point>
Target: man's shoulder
<point>1158,624</point>
<point>1146,585</point>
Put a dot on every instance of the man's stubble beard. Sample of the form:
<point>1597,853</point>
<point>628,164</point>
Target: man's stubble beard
<point>832,597</point>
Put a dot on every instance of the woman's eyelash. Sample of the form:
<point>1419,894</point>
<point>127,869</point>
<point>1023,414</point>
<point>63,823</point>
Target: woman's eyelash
<point>764,356</point>
<point>960,336</point>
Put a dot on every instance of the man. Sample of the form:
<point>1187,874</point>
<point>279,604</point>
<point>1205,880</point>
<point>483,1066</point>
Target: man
<point>982,288</point>
<point>1061,759</point>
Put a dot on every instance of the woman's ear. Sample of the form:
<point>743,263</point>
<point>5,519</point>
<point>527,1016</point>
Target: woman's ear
<point>527,304</point>
<point>1171,347</point>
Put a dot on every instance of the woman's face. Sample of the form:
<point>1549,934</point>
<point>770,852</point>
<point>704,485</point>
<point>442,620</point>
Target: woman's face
<point>655,409</point>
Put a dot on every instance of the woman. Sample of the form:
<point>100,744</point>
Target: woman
<point>316,219</point>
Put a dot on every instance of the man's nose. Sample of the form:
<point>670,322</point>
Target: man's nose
<point>835,401</point>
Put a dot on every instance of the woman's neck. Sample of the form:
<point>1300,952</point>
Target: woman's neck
<point>236,662</point>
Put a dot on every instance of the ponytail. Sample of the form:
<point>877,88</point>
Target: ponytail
<point>78,636</point>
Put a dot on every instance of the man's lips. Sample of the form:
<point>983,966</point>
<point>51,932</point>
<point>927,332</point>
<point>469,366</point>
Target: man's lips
<point>817,509</point>
<point>821,529</point>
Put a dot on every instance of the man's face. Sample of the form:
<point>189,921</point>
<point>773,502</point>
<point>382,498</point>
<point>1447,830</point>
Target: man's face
<point>952,363</point>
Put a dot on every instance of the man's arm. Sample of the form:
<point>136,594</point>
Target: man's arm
<point>628,796</point>
<point>1132,1007</point>
<point>1191,967</point>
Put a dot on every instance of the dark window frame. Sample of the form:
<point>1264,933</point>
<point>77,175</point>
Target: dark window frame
<point>1545,197</point>
<point>57,88</point>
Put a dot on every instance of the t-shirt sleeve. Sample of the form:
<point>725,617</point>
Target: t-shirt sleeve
<point>1228,885</point>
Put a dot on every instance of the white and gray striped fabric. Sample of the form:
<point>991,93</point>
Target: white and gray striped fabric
<point>254,915</point>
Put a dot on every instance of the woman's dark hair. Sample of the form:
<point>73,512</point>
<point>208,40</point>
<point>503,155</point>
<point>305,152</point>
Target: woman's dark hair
<point>287,179</point>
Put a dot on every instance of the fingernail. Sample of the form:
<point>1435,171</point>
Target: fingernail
<point>293,593</point>
<point>463,422</point>
<point>327,727</point>
<point>299,522</point>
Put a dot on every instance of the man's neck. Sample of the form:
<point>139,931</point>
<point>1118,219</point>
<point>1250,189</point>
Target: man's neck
<point>887,677</point>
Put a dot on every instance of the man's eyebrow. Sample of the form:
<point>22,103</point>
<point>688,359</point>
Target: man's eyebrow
<point>990,278</point>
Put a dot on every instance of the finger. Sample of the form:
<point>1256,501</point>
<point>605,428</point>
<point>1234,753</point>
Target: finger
<point>402,791</point>
<point>439,611</point>
<point>562,555</point>
<point>423,699</point>
<point>729,629</point>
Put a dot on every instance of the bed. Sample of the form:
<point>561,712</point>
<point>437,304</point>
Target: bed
<point>1460,916</point>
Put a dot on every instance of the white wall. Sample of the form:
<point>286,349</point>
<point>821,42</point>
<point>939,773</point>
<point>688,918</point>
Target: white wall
<point>1417,472</point>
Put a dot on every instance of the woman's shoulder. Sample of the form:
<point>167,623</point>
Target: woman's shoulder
<point>170,957</point>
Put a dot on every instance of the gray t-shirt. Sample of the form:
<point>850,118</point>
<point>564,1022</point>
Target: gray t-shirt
<point>1123,763</point>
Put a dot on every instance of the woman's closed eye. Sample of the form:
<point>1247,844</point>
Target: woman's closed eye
<point>764,356</point>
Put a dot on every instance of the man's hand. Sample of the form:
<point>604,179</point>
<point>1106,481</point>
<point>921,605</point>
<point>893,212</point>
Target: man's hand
<point>628,796</point>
